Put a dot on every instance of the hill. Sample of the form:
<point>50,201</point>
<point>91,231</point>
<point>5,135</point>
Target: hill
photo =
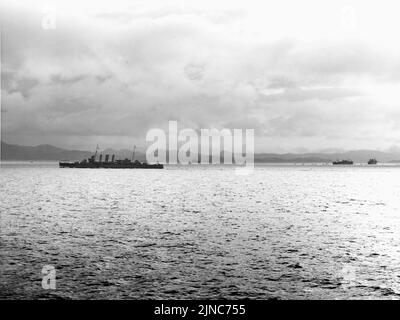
<point>52,153</point>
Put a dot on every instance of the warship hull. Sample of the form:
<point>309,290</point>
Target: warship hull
<point>342,162</point>
<point>109,165</point>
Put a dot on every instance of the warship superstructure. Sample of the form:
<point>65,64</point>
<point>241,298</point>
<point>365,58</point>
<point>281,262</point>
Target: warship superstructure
<point>108,163</point>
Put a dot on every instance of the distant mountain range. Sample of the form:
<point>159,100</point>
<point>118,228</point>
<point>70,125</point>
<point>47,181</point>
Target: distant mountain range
<point>52,153</point>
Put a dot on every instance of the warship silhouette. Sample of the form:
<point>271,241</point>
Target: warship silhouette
<point>342,162</point>
<point>109,164</point>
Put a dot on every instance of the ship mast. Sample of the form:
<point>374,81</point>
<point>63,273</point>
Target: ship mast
<point>133,153</point>
<point>95,154</point>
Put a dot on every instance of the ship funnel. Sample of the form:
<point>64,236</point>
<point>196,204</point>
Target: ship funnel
<point>101,157</point>
<point>113,158</point>
<point>107,156</point>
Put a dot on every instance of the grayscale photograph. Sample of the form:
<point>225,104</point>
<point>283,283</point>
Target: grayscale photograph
<point>205,150</point>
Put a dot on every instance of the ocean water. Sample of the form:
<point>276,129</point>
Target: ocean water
<point>282,232</point>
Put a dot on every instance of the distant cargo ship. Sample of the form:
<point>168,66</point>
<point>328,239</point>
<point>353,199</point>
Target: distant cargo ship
<point>342,162</point>
<point>372,161</point>
<point>113,164</point>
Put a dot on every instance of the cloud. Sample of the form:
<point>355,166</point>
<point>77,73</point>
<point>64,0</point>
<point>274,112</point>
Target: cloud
<point>111,76</point>
<point>311,93</point>
<point>13,83</point>
<point>58,79</point>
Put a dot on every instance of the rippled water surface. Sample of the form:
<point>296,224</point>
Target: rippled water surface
<point>191,232</point>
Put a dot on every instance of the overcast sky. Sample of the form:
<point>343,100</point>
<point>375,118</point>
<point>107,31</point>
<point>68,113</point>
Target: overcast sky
<point>306,75</point>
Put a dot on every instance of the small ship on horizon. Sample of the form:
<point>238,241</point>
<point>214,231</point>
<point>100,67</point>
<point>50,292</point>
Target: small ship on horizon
<point>350,162</point>
<point>113,164</point>
<point>342,162</point>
